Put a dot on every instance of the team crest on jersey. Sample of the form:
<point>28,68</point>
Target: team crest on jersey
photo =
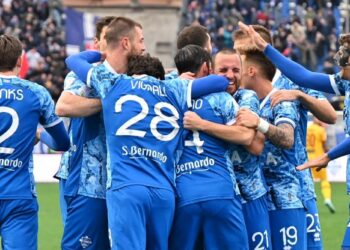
<point>85,241</point>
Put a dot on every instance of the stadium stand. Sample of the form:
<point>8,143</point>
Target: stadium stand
<point>40,27</point>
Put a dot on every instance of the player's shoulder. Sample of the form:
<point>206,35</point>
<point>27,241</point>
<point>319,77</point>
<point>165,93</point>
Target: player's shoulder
<point>245,94</point>
<point>29,85</point>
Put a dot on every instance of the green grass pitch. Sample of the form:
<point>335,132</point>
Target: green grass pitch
<point>333,225</point>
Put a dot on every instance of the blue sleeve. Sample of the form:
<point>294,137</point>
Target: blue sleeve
<point>81,63</point>
<point>341,149</point>
<point>297,73</point>
<point>286,112</point>
<point>209,84</point>
<point>56,137</point>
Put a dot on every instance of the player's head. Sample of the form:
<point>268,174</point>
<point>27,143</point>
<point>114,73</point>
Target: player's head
<point>11,51</point>
<point>126,34</point>
<point>227,62</point>
<point>193,58</point>
<point>145,65</point>
<point>101,27</point>
<point>242,41</point>
<point>196,35</point>
<point>342,57</point>
<point>256,66</point>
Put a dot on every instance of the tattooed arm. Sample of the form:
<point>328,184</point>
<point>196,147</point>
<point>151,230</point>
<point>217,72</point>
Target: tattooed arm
<point>281,136</point>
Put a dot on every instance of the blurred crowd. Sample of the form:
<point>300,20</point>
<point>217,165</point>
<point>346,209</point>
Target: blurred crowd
<point>304,30</point>
<point>39,24</point>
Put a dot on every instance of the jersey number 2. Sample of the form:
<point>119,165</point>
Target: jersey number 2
<point>11,130</point>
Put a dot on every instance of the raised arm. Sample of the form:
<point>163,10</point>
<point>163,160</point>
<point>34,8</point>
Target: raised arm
<point>294,71</point>
<point>209,84</point>
<point>81,63</point>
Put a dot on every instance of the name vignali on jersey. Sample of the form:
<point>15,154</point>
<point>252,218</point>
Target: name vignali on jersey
<point>156,90</point>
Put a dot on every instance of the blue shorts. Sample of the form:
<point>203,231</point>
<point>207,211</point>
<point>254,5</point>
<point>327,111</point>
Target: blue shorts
<point>140,217</point>
<point>212,224</point>
<point>256,216</point>
<point>63,203</point>
<point>288,228</point>
<point>86,224</point>
<point>19,224</point>
<point>313,226</point>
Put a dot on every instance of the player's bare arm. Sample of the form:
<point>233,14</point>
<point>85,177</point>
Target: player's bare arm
<point>69,105</point>
<point>320,108</point>
<point>318,163</point>
<point>281,136</point>
<point>257,145</point>
<point>231,133</point>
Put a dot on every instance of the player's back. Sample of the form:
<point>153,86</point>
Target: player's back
<point>23,105</point>
<point>143,121</point>
<point>316,136</point>
<point>205,169</point>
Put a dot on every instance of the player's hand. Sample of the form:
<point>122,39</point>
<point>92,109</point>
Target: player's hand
<point>284,95</point>
<point>318,163</point>
<point>37,135</point>
<point>259,42</point>
<point>193,121</point>
<point>188,76</point>
<point>247,118</point>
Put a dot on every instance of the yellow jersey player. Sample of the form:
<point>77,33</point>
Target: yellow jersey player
<point>316,146</point>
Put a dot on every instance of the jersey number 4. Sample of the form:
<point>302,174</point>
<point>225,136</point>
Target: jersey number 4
<point>160,117</point>
<point>10,131</point>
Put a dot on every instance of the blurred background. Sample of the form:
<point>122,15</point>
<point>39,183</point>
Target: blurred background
<point>304,30</point>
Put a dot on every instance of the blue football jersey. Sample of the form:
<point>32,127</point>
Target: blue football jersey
<point>87,174</point>
<point>249,176</point>
<point>143,121</point>
<point>172,75</point>
<point>279,164</point>
<point>204,171</point>
<point>23,105</point>
<point>305,177</point>
<point>342,87</point>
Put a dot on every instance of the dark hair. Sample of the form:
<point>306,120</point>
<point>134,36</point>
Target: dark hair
<point>101,23</point>
<point>120,27</point>
<point>191,58</point>
<point>263,32</point>
<point>10,51</point>
<point>145,64</point>
<point>194,34</point>
<point>267,69</point>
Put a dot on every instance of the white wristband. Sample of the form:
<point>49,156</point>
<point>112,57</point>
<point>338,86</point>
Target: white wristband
<point>263,126</point>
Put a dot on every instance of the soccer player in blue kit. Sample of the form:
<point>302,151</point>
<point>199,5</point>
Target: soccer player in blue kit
<point>23,104</point>
<point>143,121</point>
<point>208,211</point>
<point>278,160</point>
<point>336,84</point>
<point>84,189</point>
<point>310,100</point>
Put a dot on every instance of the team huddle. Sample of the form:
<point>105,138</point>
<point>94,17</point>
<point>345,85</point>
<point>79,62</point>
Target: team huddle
<point>211,155</point>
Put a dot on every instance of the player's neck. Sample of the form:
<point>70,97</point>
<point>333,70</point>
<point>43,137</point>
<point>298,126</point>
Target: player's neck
<point>9,73</point>
<point>118,65</point>
<point>263,88</point>
<point>345,72</point>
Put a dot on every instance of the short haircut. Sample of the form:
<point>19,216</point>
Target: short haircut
<point>263,32</point>
<point>267,69</point>
<point>191,58</point>
<point>101,23</point>
<point>145,64</point>
<point>225,51</point>
<point>344,40</point>
<point>120,27</point>
<point>194,34</point>
<point>10,51</point>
